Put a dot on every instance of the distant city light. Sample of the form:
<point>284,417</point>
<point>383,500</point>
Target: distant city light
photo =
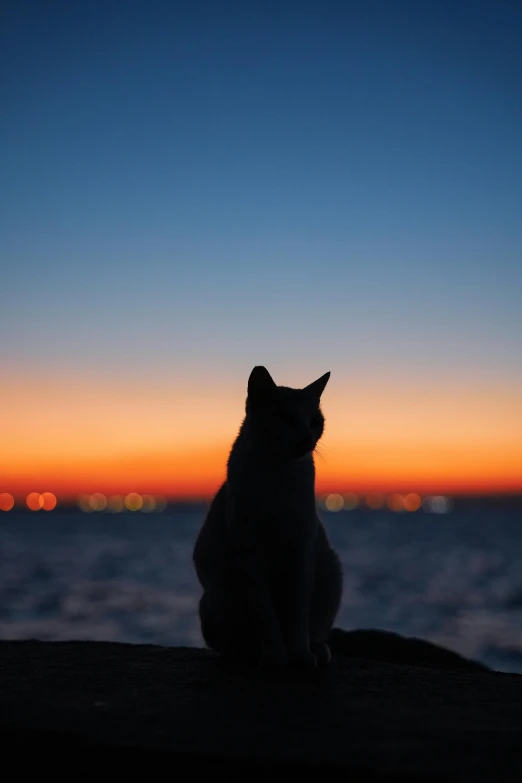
<point>412,501</point>
<point>33,501</point>
<point>149,503</point>
<point>133,501</point>
<point>98,502</point>
<point>161,504</point>
<point>84,503</point>
<point>351,501</point>
<point>6,501</point>
<point>334,502</point>
<point>395,502</point>
<point>36,501</point>
<point>437,504</point>
<point>115,504</point>
<point>47,501</point>
<point>375,500</point>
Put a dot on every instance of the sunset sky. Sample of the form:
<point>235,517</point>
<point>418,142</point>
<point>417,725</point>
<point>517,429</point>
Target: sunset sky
<point>194,188</point>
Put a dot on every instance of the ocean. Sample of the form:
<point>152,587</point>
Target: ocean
<point>453,578</point>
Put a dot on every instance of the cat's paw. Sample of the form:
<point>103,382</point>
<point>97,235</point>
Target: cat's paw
<point>303,659</point>
<point>273,659</point>
<point>273,655</point>
<point>321,652</point>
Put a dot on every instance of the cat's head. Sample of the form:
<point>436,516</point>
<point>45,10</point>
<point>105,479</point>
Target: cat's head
<point>287,423</point>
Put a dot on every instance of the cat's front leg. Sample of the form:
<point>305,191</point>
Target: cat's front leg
<point>299,594</point>
<point>271,651</point>
<point>251,565</point>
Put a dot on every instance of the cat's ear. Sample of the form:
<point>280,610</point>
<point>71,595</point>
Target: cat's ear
<point>261,387</point>
<point>317,387</point>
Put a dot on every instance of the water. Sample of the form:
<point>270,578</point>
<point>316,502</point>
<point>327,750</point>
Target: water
<point>455,579</point>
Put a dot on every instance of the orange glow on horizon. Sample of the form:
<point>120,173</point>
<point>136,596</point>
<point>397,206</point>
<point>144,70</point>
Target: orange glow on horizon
<point>200,473</point>
<point>81,436</point>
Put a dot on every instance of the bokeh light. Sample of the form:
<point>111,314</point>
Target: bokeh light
<point>351,501</point>
<point>97,502</point>
<point>84,503</point>
<point>334,502</point>
<point>48,501</point>
<point>6,501</point>
<point>133,501</point>
<point>149,503</point>
<point>161,504</point>
<point>395,502</point>
<point>115,504</point>
<point>375,500</point>
<point>437,504</point>
<point>33,501</point>
<point>412,501</point>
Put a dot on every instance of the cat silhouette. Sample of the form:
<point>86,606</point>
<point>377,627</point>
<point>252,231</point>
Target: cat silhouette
<point>272,584</point>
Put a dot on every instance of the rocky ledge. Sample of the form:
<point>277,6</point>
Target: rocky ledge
<point>388,708</point>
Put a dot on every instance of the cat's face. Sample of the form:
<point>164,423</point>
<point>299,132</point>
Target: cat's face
<point>284,422</point>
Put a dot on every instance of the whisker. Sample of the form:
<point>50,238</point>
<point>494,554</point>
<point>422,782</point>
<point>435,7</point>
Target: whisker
<point>318,450</point>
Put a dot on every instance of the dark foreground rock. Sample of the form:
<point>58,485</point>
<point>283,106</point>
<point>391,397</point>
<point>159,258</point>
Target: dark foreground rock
<point>394,648</point>
<point>72,709</point>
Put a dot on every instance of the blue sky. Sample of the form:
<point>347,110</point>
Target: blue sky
<point>304,184</point>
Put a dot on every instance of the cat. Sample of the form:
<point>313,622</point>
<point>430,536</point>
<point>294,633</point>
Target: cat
<point>272,583</point>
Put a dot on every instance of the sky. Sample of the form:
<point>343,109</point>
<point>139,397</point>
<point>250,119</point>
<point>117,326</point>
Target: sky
<point>194,188</point>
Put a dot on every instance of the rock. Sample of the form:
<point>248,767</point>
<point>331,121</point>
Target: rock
<point>69,707</point>
<point>394,648</point>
